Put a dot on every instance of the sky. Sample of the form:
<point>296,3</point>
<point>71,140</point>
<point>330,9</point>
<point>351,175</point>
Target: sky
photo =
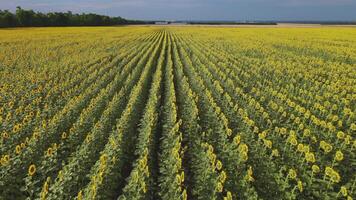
<point>236,10</point>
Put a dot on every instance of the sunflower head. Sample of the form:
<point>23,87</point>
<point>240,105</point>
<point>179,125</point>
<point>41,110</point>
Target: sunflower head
<point>219,187</point>
<point>18,149</point>
<point>228,196</point>
<point>339,156</point>
<point>292,174</point>
<point>222,177</point>
<point>218,165</point>
<point>300,186</point>
<point>340,135</point>
<point>310,157</point>
<point>343,191</point>
<point>32,170</point>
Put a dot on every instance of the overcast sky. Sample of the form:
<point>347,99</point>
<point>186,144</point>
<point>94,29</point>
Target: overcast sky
<point>199,9</point>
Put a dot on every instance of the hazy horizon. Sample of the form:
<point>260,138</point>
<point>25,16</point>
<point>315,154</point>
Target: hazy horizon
<point>230,10</point>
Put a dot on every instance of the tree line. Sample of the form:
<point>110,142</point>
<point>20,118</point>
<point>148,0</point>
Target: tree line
<point>30,18</point>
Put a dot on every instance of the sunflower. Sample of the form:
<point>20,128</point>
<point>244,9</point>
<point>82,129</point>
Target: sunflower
<point>49,151</point>
<point>184,194</point>
<point>343,191</point>
<point>218,165</point>
<point>268,143</point>
<point>219,187</point>
<point>32,170</point>
<point>300,147</point>
<point>315,169</point>
<point>178,179</point>
<point>335,177</point>
<point>275,152</point>
<point>5,159</point>
<point>222,177</point>
<point>353,126</point>
<point>5,135</point>
<point>237,139</point>
<point>64,135</point>
<point>293,141</point>
<point>292,174</point>
<point>340,135</point>
<point>329,171</point>
<point>300,186</point>
<point>310,157</point>
<point>339,156</point>
<point>80,195</point>
<point>228,196</point>
<point>18,149</point>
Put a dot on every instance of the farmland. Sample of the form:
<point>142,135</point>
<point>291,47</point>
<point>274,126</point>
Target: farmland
<point>178,113</point>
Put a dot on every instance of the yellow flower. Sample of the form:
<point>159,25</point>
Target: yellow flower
<point>349,198</point>
<point>310,157</point>
<point>326,146</point>
<point>339,123</point>
<point>293,141</point>
<point>228,196</point>
<point>49,151</point>
<point>314,140</point>
<point>16,128</point>
<point>218,165</point>
<point>335,177</point>
<point>268,143</point>
<point>283,131</point>
<point>222,177</point>
<point>340,135</point>
<point>80,195</point>
<point>64,135</point>
<point>353,126</point>
<point>343,191</point>
<point>261,135</point>
<point>300,147</point>
<point>11,104</point>
<point>339,156</point>
<point>5,135</point>
<point>335,118</point>
<point>243,148</point>
<point>292,174</point>
<point>275,152</point>
<point>32,170</point>
<point>184,195</point>
<point>249,174</point>
<point>328,171</point>
<point>5,159</point>
<point>347,139</point>
<point>237,139</point>
<point>301,126</point>
<point>18,149</point>
<point>300,186</point>
<point>178,179</point>
<point>244,156</point>
<point>315,169</point>
<point>219,187</point>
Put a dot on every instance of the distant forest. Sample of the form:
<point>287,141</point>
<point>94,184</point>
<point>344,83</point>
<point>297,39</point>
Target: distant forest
<point>29,18</point>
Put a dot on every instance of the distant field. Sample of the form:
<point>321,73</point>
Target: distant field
<point>278,25</point>
<point>178,113</point>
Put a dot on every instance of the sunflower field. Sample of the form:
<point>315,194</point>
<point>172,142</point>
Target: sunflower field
<point>171,113</point>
